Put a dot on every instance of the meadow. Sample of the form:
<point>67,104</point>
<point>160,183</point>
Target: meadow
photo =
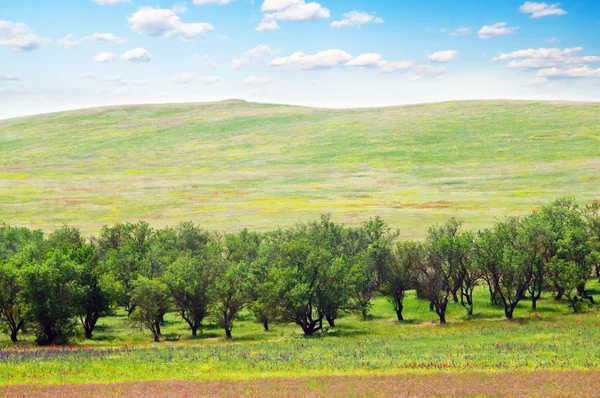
<point>548,339</point>
<point>235,164</point>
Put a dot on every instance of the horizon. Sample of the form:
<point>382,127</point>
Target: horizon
<point>109,106</point>
<point>326,54</point>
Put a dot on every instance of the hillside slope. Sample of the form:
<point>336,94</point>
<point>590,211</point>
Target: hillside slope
<point>234,164</point>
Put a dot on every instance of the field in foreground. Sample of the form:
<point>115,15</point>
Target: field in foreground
<point>545,383</point>
<point>234,164</point>
<point>550,344</point>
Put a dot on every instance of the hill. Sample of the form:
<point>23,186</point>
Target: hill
<point>234,164</point>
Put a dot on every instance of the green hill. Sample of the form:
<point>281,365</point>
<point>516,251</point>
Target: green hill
<point>235,164</point>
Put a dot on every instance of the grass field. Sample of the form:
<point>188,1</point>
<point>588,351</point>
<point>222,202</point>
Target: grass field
<point>550,339</point>
<point>234,164</point>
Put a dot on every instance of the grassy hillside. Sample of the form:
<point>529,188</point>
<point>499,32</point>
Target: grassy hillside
<point>234,164</point>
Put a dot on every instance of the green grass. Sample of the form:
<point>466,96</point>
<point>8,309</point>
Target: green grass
<point>549,338</point>
<point>234,164</point>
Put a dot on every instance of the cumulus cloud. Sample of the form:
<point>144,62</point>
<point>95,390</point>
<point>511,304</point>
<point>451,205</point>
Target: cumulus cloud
<point>137,55</point>
<point>289,10</point>
<point>394,66</point>
<point>368,60</point>
<point>498,29</point>
<point>105,57</point>
<point>539,10</point>
<point>19,37</point>
<point>183,78</point>
<point>256,81</point>
<point>355,18</point>
<point>109,2</point>
<point>139,82</point>
<point>553,53</point>
<point>220,2</point>
<point>321,60</point>
<point>421,72</point>
<point>443,56</point>
<point>258,52</point>
<point>461,32</point>
<point>8,78</point>
<point>67,41</point>
<point>210,79</point>
<point>551,63</point>
<point>87,75</point>
<point>165,22</point>
<point>9,91</point>
<point>584,71</point>
<point>108,38</point>
<point>117,79</point>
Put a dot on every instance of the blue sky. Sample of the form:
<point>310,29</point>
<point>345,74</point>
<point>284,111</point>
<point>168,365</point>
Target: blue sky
<point>61,54</point>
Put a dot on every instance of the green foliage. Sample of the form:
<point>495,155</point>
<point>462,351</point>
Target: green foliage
<point>151,300</point>
<point>231,293</point>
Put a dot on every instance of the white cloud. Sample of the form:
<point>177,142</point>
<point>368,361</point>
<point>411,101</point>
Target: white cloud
<point>9,91</point>
<point>66,42</point>
<point>105,57</point>
<point>443,56</point>
<point>278,5</point>
<point>256,81</point>
<point>258,52</point>
<point>461,32</point>
<point>421,72</point>
<point>8,78</point>
<point>498,29</point>
<point>538,81</point>
<point>109,2</point>
<point>165,22</point>
<point>87,75</point>
<point>210,79</point>
<point>394,66</point>
<point>19,37</point>
<point>320,60</point>
<point>539,10</point>
<point>183,78</point>
<point>355,18</point>
<point>584,71</point>
<point>117,79</point>
<point>552,40</point>
<point>289,10</point>
<point>220,2</point>
<point>267,24</point>
<point>137,55</point>
<point>139,82</point>
<point>554,53</point>
<point>108,38</point>
<point>368,60</point>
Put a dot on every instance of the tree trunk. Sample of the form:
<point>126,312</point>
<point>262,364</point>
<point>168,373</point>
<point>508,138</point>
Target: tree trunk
<point>533,302</point>
<point>399,309</point>
<point>194,330</point>
<point>559,293</point>
<point>228,333</point>
<point>508,311</point>
<point>266,325</point>
<point>157,327</point>
<point>584,295</point>
<point>156,337</point>
<point>455,295</point>
<point>442,318</point>
<point>330,321</point>
<point>13,335</point>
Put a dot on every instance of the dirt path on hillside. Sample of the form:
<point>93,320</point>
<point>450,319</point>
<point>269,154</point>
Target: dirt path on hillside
<point>498,384</point>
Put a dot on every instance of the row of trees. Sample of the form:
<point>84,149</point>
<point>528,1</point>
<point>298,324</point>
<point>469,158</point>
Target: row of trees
<point>307,275</point>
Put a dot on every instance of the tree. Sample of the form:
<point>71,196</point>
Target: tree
<point>97,289</point>
<point>19,247</point>
<point>151,300</point>
<point>190,281</point>
<point>124,249</point>
<point>232,293</point>
<point>50,295</point>
<point>398,270</point>
<point>499,254</point>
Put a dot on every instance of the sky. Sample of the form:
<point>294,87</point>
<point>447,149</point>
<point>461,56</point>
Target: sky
<point>68,54</point>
